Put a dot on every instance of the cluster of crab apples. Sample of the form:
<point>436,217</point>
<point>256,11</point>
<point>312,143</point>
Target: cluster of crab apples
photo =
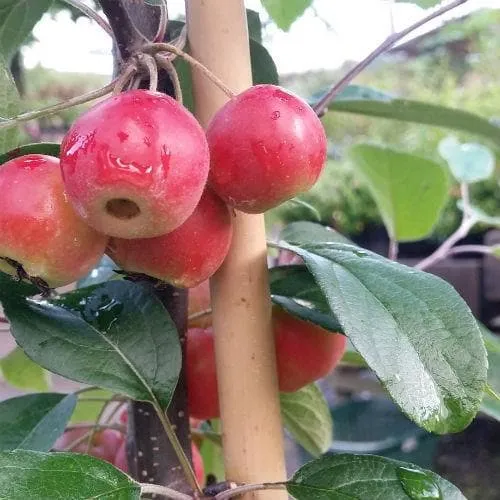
<point>139,179</point>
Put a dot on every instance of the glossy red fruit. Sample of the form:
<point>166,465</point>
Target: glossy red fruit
<point>135,165</point>
<point>266,146</point>
<point>185,257</point>
<point>199,302</point>
<point>39,228</point>
<point>203,400</point>
<point>305,352</point>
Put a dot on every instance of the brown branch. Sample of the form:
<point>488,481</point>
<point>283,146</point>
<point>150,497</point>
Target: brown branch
<point>321,106</point>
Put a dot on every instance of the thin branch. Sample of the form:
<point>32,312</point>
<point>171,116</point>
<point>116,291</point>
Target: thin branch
<point>248,488</point>
<point>168,47</point>
<point>393,249</point>
<point>481,249</point>
<point>199,314</point>
<point>156,489</point>
<point>329,96</point>
<point>443,251</point>
<point>125,77</point>
<point>56,108</point>
<point>91,14</point>
<point>83,390</point>
<point>163,22</point>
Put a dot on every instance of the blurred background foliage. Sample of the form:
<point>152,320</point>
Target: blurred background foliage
<point>455,66</point>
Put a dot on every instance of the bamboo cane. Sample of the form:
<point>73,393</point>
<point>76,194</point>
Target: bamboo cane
<point>244,343</point>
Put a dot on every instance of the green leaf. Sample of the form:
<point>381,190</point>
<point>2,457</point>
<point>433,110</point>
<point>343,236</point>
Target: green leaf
<point>116,335</point>
<point>254,25</point>
<point>366,477</point>
<point>415,112</point>
<point>490,404</point>
<point>42,148</point>
<point>35,421</point>
<point>9,103</point>
<point>285,12</point>
<point>304,231</point>
<point>263,68</point>
<point>352,357</point>
<point>88,406</point>
<point>17,20</point>
<point>409,191</point>
<point>412,328</point>
<point>307,418</point>
<point>9,287</point>
<point>293,288</point>
<point>468,162</point>
<point>20,372</point>
<point>62,476</point>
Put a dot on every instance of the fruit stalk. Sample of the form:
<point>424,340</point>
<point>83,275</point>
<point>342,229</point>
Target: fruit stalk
<point>244,343</point>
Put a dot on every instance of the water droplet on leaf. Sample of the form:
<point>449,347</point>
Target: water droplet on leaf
<point>418,484</point>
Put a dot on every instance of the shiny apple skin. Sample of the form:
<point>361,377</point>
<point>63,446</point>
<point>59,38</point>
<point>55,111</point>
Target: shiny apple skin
<point>305,352</point>
<point>266,146</point>
<point>39,228</point>
<point>188,255</point>
<point>139,146</point>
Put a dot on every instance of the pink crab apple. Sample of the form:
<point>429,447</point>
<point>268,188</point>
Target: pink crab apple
<point>39,228</point>
<point>105,443</point>
<point>135,165</point>
<point>266,146</point>
<point>188,255</point>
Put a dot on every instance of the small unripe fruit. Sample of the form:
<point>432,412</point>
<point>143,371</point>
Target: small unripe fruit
<point>203,400</point>
<point>305,352</point>
<point>266,146</point>
<point>188,255</point>
<point>39,228</point>
<point>135,165</point>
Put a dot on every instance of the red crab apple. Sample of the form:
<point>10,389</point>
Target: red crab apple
<point>266,146</point>
<point>188,255</point>
<point>304,353</point>
<point>135,165</point>
<point>39,228</point>
<point>203,399</point>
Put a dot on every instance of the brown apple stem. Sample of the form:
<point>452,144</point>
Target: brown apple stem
<point>166,64</point>
<point>91,14</point>
<point>194,62</point>
<point>124,79</point>
<point>252,432</point>
<point>149,64</point>
<point>321,106</point>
